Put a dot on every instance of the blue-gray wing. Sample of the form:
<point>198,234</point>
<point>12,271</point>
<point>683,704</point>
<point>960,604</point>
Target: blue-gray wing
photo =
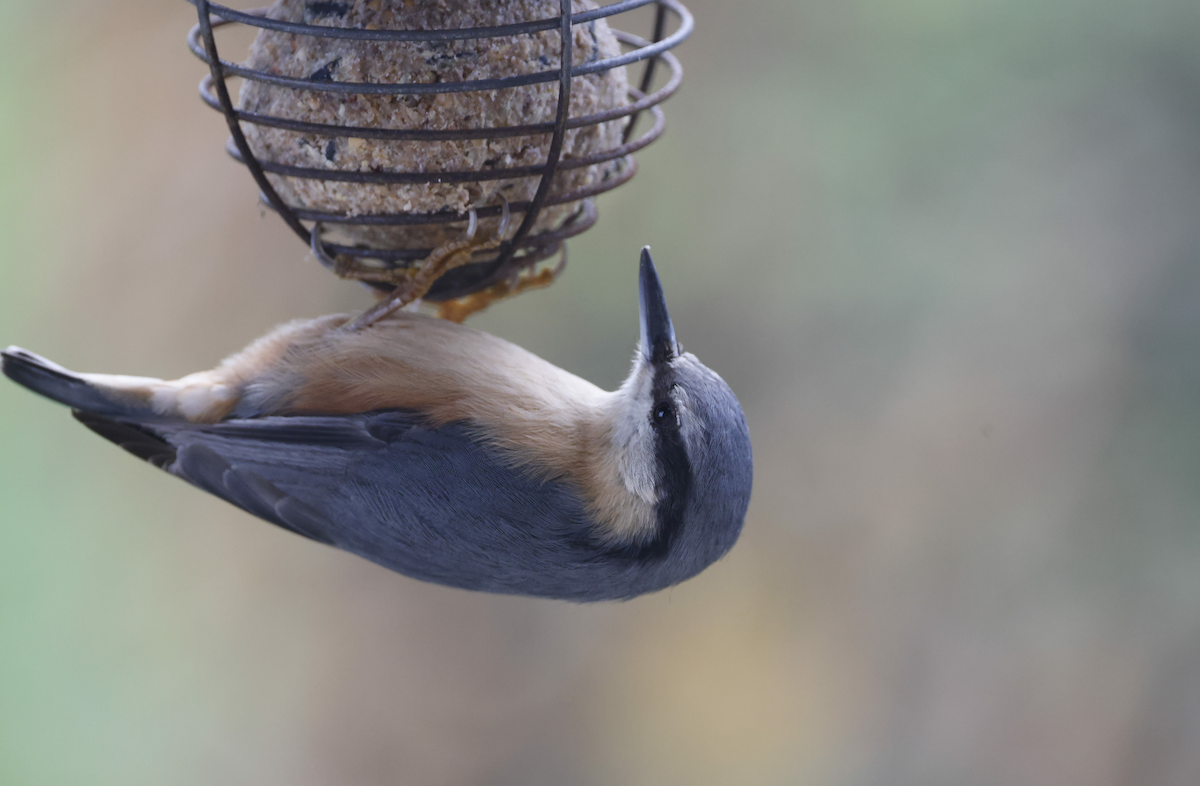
<point>433,503</point>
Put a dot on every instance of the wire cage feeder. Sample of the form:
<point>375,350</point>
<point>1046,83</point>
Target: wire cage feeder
<point>530,244</point>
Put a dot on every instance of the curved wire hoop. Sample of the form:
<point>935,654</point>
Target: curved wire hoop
<point>524,248</point>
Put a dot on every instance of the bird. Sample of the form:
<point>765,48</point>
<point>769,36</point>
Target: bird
<point>447,454</point>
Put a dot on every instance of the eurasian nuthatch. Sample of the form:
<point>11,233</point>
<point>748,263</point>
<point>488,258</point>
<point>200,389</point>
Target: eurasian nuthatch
<point>448,454</point>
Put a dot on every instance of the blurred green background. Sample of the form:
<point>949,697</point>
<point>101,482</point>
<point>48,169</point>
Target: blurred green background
<point>946,253</point>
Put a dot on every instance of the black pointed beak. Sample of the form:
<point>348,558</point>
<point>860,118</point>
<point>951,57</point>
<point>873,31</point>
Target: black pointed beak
<point>658,336</point>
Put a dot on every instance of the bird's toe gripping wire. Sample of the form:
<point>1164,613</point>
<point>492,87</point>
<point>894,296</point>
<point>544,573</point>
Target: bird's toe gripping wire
<point>412,284</point>
<point>345,266</point>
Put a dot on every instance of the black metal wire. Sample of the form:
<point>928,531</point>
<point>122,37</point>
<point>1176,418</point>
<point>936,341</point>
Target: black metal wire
<point>235,127</point>
<point>524,248</point>
<point>660,27</point>
<point>321,31</point>
<point>556,141</point>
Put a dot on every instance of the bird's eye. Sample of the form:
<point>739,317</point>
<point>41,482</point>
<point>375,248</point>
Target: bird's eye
<point>664,414</point>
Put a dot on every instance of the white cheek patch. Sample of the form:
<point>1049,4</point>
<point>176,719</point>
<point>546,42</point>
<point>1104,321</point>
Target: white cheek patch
<point>638,467</point>
<point>633,438</point>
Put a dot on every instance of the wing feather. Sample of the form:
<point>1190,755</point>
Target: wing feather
<point>429,502</point>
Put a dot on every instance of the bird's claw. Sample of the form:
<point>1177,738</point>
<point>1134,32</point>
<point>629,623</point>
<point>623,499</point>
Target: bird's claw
<point>412,285</point>
<point>346,266</point>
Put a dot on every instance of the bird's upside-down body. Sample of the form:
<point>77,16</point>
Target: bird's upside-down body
<point>448,454</point>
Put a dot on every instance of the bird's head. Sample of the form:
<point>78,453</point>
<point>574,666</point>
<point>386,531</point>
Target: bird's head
<point>681,444</point>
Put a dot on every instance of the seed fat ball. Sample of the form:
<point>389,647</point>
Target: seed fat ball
<point>342,60</point>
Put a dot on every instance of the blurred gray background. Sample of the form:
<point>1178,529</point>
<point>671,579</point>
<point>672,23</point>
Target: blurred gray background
<point>946,253</point>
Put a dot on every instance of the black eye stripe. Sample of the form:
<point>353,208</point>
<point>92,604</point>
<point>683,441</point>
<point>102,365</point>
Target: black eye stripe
<point>673,466</point>
<point>664,412</point>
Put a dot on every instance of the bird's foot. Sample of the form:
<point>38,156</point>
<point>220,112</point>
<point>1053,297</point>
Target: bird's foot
<point>460,308</point>
<point>414,284</point>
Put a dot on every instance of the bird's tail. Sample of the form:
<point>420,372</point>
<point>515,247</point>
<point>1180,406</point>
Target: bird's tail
<point>121,397</point>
